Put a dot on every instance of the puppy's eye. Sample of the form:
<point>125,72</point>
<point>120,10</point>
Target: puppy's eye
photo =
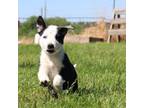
<point>44,37</point>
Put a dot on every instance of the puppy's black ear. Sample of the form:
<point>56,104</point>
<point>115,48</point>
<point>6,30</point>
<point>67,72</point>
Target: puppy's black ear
<point>61,34</point>
<point>41,26</point>
<point>62,31</point>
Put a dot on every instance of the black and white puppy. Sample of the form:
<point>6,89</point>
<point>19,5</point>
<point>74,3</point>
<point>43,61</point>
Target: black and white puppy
<point>56,71</point>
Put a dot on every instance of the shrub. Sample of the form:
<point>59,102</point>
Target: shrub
<point>28,28</point>
<point>57,21</point>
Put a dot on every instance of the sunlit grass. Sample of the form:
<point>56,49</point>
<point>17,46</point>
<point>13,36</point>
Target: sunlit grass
<point>101,74</point>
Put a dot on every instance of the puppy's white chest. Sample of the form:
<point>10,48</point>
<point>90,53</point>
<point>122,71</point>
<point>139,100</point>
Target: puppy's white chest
<point>53,68</point>
<point>52,65</point>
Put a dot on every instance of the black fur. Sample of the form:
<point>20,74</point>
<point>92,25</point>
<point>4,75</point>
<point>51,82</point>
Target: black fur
<point>40,22</point>
<point>61,34</point>
<point>68,73</point>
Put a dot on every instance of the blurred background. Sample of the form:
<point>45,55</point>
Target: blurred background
<point>91,19</point>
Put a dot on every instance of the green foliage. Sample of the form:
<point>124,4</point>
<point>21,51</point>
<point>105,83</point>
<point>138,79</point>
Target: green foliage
<point>78,27</point>
<point>28,28</point>
<point>101,69</point>
<point>57,21</point>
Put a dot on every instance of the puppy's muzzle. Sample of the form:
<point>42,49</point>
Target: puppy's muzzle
<point>50,48</point>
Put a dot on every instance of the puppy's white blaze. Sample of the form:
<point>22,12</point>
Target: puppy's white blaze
<point>36,39</point>
<point>58,82</point>
<point>51,31</point>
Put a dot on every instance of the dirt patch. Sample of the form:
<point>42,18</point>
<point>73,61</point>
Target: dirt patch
<point>68,39</point>
<point>25,41</point>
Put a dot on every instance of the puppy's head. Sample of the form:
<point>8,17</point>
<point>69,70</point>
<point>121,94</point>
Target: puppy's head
<point>51,38</point>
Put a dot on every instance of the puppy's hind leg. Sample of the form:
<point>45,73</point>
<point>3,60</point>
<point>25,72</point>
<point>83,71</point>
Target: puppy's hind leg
<point>58,83</point>
<point>74,86</point>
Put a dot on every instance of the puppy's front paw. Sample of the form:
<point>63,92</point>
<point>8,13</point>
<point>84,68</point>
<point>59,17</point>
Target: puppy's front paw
<point>44,83</point>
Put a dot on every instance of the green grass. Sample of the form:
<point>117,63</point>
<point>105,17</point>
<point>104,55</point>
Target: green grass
<point>101,69</point>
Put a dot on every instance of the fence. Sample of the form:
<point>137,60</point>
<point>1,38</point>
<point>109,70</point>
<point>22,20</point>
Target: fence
<point>75,19</point>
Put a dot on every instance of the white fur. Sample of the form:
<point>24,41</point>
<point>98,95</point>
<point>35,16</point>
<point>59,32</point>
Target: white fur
<point>58,82</point>
<point>37,38</point>
<point>50,64</point>
<point>39,28</point>
<point>75,65</point>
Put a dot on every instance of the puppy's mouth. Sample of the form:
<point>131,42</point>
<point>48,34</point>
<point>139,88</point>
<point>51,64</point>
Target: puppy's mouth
<point>50,50</point>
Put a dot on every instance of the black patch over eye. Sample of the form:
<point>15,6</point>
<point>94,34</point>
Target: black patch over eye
<point>44,37</point>
<point>61,34</point>
<point>59,38</point>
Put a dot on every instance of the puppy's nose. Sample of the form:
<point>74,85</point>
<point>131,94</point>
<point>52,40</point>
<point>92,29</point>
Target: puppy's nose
<point>50,46</point>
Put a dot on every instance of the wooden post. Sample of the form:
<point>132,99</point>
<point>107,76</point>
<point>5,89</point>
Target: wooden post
<point>115,27</point>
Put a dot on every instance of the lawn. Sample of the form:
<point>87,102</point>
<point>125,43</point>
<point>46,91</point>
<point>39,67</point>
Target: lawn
<point>101,69</point>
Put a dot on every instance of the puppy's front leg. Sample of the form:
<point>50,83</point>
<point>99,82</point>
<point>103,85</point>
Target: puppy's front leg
<point>42,76</point>
<point>45,81</point>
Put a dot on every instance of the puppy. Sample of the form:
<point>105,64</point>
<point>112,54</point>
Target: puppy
<point>56,71</point>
